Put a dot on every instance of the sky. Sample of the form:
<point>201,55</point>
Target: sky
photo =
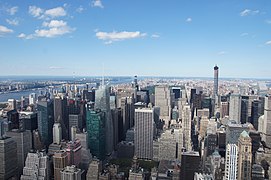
<point>183,38</point>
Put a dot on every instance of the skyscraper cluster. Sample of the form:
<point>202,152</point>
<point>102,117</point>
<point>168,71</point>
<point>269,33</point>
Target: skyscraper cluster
<point>188,130</point>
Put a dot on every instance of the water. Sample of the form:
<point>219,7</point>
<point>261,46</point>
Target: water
<point>17,95</point>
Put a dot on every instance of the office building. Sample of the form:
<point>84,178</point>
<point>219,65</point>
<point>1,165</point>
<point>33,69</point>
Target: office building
<point>244,156</point>
<point>71,173</point>
<point>102,101</point>
<point>235,107</point>
<point>36,167</point>
<point>95,167</point>
<point>8,158</point>
<point>190,165</point>
<point>267,121</point>
<point>32,99</point>
<point>61,115</point>
<point>96,133</point>
<point>45,121</point>
<point>57,133</point>
<point>60,161</point>
<point>163,99</point>
<point>73,149</point>
<point>231,162</point>
<point>187,126</point>
<point>23,141</point>
<point>144,128</point>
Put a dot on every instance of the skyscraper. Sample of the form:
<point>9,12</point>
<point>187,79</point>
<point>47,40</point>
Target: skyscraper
<point>235,107</point>
<point>96,132</point>
<point>144,124</point>
<point>61,115</point>
<point>102,101</point>
<point>187,126</point>
<point>60,160</point>
<point>244,156</point>
<point>163,100</point>
<point>45,121</point>
<point>231,162</point>
<point>267,121</point>
<point>8,158</point>
<point>215,81</point>
<point>57,133</point>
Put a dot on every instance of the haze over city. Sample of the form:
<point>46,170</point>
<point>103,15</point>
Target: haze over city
<point>148,38</point>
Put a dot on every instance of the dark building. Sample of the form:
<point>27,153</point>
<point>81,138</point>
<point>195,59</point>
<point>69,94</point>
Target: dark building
<point>30,120</point>
<point>207,103</point>
<point>177,92</point>
<point>46,121</point>
<point>255,141</point>
<point>13,119</point>
<point>244,109</point>
<point>96,133</point>
<point>256,112</point>
<point>210,143</point>
<point>89,95</point>
<point>61,116</point>
<point>190,164</point>
<point>215,93</point>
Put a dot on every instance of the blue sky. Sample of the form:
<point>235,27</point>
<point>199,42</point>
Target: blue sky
<point>143,37</point>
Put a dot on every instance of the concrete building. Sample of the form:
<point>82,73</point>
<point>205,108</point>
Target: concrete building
<point>163,99</point>
<point>144,125</point>
<point>215,93</point>
<point>73,149</point>
<point>190,165</point>
<point>57,133</point>
<point>187,126</point>
<point>36,167</point>
<point>231,162</point>
<point>267,121</point>
<point>244,156</point>
<point>94,169</point>
<point>60,161</point>
<point>235,107</point>
<point>71,173</point>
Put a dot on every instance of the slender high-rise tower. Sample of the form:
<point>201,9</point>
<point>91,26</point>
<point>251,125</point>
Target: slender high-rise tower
<point>215,81</point>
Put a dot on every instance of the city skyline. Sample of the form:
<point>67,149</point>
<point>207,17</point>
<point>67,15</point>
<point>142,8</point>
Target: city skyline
<point>153,38</point>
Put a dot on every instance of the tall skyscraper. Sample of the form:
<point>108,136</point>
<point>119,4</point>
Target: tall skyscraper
<point>190,165</point>
<point>96,133</point>
<point>231,162</point>
<point>215,93</point>
<point>60,161</point>
<point>32,99</point>
<point>45,121</point>
<point>23,141</point>
<point>244,157</point>
<point>73,150</point>
<point>187,126</point>
<point>235,107</point>
<point>267,121</point>
<point>163,99</point>
<point>144,124</point>
<point>61,115</point>
<point>8,158</point>
<point>102,101</point>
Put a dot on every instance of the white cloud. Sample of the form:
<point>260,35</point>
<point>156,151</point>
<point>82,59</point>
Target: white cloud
<point>24,36</point>
<point>244,34</point>
<point>268,42</point>
<point>12,10</point>
<point>118,36</point>
<point>189,19</point>
<point>247,12</point>
<point>35,11</point>
<point>97,3</point>
<point>54,23</point>
<point>80,9</point>
<point>46,14</point>
<point>155,36</point>
<point>222,53</point>
<point>4,30</point>
<point>55,12</point>
<point>55,67</point>
<point>268,21</point>
<point>13,22</point>
<point>55,28</point>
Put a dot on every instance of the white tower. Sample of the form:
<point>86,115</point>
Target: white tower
<point>57,133</point>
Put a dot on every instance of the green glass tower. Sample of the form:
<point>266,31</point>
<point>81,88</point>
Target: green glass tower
<point>96,132</point>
